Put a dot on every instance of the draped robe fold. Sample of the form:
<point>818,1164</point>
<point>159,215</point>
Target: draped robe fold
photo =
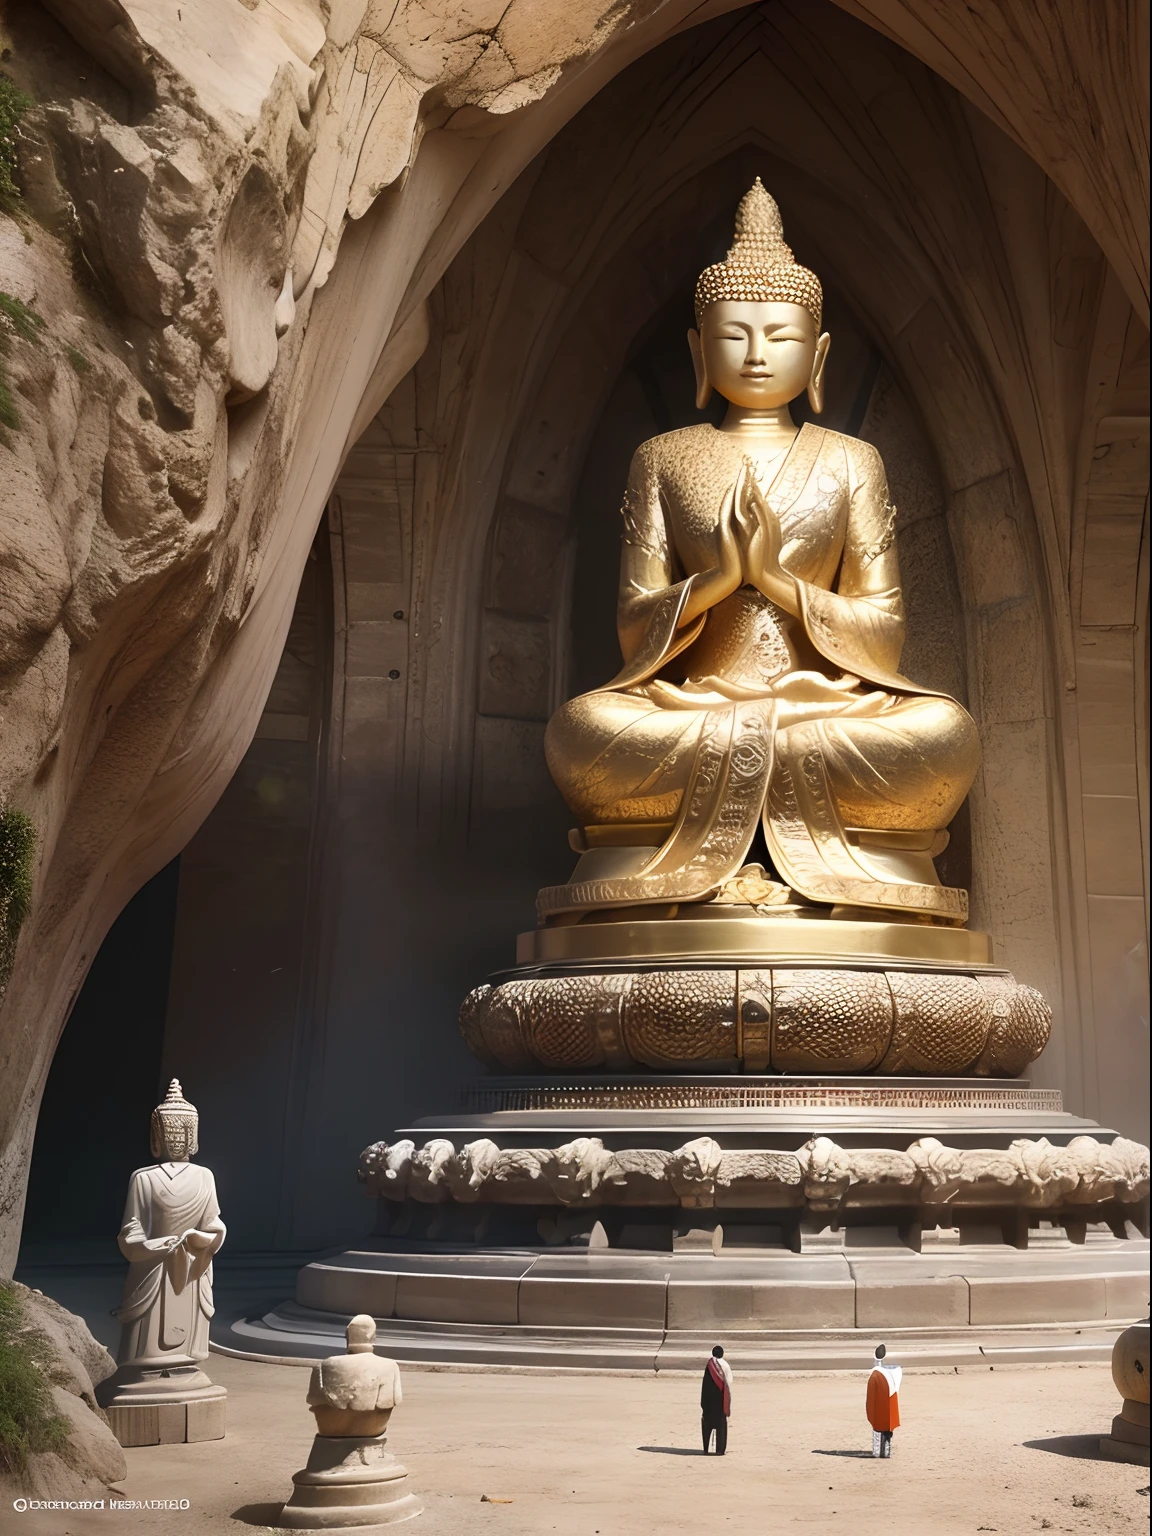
<point>747,714</point>
<point>167,1303</point>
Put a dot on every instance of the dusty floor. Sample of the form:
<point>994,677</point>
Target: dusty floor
<point>618,1456</point>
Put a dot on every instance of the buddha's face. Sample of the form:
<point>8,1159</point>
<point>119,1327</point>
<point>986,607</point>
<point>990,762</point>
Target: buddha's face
<point>758,354</point>
<point>173,1138</point>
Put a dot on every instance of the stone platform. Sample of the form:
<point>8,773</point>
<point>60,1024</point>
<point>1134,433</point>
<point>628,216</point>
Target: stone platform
<point>773,1310</point>
<point>627,1223</point>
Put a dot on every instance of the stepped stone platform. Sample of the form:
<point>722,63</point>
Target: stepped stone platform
<point>609,1223</point>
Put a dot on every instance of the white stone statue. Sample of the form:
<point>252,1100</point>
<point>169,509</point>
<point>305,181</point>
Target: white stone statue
<point>350,1479</point>
<point>170,1232</point>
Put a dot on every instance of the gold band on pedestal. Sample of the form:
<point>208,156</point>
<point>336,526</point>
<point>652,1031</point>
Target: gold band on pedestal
<point>775,940</point>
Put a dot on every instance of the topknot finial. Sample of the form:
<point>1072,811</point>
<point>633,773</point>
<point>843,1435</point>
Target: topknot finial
<point>760,264</point>
<point>759,230</point>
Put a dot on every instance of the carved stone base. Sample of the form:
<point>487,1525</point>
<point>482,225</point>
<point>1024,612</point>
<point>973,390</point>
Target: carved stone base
<point>146,1407</point>
<point>632,1222</point>
<point>350,1483</point>
<point>783,1018</point>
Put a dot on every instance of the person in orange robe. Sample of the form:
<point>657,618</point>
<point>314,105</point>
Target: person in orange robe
<point>883,1405</point>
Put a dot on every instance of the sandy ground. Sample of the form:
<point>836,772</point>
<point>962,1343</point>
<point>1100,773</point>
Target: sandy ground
<point>1008,1450</point>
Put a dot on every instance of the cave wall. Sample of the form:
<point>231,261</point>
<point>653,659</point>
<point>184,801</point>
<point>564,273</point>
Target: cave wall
<point>233,216</point>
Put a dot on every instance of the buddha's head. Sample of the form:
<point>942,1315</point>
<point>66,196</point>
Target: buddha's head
<point>758,340</point>
<point>174,1126</point>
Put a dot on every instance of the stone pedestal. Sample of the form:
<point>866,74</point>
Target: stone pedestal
<point>715,991</point>
<point>350,1483</point>
<point>892,1173</point>
<point>167,1406</point>
<point>627,1222</point>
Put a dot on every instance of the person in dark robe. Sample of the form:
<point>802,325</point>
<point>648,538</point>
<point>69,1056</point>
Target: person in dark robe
<point>716,1401</point>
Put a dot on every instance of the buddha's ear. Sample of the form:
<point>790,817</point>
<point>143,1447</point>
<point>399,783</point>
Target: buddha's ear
<point>703,388</point>
<point>816,382</point>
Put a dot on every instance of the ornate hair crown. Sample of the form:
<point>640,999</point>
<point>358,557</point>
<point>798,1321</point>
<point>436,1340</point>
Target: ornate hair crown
<point>759,264</point>
<point>175,1112</point>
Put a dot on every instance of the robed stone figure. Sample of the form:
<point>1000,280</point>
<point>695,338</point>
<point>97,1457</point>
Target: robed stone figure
<point>170,1232</point>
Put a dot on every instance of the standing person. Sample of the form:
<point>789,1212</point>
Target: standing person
<point>716,1401</point>
<point>883,1402</point>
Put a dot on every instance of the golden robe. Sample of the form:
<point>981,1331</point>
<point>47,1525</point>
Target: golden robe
<point>747,714</point>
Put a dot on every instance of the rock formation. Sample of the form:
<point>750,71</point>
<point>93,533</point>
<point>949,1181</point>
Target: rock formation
<point>89,1458</point>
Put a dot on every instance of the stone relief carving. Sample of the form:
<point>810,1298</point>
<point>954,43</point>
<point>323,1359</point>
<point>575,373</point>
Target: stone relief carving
<point>822,1175</point>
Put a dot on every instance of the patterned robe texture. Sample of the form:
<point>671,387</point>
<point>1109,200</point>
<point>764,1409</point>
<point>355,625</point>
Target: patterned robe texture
<point>747,714</point>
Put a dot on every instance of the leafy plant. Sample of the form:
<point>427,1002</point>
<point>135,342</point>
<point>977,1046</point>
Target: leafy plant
<point>16,319</point>
<point>28,1418</point>
<point>17,851</point>
<point>13,105</point>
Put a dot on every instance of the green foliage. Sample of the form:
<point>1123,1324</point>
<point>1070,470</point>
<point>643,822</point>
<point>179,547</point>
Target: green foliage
<point>17,854</point>
<point>28,1418</point>
<point>79,362</point>
<point>25,322</point>
<point>13,105</point>
<point>16,319</point>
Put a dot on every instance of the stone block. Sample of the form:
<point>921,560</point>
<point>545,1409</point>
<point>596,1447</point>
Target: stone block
<point>913,1303</point>
<point>456,1298</point>
<point>1126,1296</point>
<point>329,1288</point>
<point>172,1423</point>
<point>376,647</point>
<point>769,1304</point>
<point>515,667</point>
<point>206,1419</point>
<point>135,1425</point>
<point>525,570</point>
<point>1107,748</point>
<point>595,1304</point>
<point>1023,1298</point>
<point>373,535</point>
<point>1112,533</point>
<point>1113,845</point>
<point>510,772</point>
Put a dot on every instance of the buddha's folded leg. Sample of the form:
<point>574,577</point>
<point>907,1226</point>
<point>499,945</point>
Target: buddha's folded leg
<point>906,766</point>
<point>619,757</point>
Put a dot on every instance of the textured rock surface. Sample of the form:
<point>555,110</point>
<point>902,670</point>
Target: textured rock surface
<point>234,210</point>
<point>76,1364</point>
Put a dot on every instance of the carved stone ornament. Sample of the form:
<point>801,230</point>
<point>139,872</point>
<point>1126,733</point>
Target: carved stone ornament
<point>1034,1175</point>
<point>786,1019</point>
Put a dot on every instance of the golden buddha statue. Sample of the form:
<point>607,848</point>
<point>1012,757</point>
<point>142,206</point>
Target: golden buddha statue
<point>761,622</point>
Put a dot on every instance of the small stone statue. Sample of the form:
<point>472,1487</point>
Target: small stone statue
<point>171,1229</point>
<point>350,1479</point>
<point>1129,1438</point>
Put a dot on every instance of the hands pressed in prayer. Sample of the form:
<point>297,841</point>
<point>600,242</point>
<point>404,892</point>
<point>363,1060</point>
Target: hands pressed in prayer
<point>761,541</point>
<point>748,545</point>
